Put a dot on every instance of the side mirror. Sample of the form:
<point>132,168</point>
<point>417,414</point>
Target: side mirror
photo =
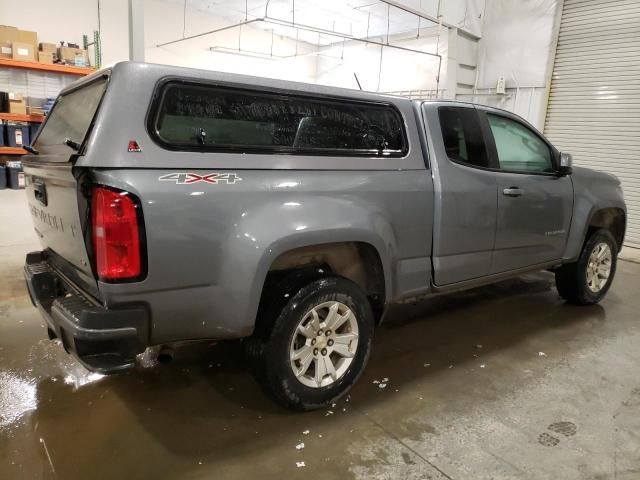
<point>566,164</point>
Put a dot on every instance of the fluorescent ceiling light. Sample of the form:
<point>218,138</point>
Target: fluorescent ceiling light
<point>245,53</point>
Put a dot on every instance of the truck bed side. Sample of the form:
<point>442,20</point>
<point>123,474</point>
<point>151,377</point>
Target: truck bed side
<point>210,246</point>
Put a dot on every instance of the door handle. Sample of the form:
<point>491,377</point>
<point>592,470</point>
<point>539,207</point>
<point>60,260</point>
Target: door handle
<point>512,192</point>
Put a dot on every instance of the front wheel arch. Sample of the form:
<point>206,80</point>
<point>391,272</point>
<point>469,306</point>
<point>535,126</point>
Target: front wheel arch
<point>571,278</point>
<point>612,219</point>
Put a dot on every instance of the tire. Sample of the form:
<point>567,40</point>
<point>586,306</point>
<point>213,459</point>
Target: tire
<point>573,279</point>
<point>272,359</point>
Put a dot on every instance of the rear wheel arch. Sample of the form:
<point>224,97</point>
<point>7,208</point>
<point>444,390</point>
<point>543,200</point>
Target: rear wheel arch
<point>357,261</point>
<point>280,357</point>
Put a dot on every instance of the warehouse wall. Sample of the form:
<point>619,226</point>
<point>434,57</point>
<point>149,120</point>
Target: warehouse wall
<point>70,19</point>
<point>66,20</point>
<point>114,21</point>
<point>396,71</point>
<point>516,43</point>
<point>411,73</point>
<point>399,71</point>
<point>163,22</point>
<point>465,14</point>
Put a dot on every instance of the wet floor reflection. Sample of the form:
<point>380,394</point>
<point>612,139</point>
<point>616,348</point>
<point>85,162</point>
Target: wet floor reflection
<point>204,410</point>
<point>17,397</point>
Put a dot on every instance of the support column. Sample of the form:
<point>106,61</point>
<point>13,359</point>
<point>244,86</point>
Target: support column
<point>451,84</point>
<point>136,30</point>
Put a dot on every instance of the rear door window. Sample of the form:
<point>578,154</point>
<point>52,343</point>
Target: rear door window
<point>72,115</point>
<point>462,136</point>
<point>208,118</point>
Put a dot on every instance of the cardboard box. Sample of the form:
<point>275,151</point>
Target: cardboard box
<point>48,47</point>
<point>68,55</point>
<point>45,57</point>
<point>23,51</point>
<point>17,103</point>
<point>17,106</point>
<point>8,35</point>
<point>25,36</point>
<point>36,111</point>
<point>6,51</point>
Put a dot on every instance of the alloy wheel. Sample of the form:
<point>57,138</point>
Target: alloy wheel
<point>324,344</point>
<point>599,267</point>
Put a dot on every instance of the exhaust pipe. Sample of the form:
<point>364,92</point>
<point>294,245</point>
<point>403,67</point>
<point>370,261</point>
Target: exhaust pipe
<point>165,354</point>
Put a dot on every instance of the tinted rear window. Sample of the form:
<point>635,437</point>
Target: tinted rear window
<point>462,136</point>
<point>72,115</point>
<point>196,117</point>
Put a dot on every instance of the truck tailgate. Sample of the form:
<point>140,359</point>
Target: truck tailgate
<point>52,193</point>
<point>57,205</point>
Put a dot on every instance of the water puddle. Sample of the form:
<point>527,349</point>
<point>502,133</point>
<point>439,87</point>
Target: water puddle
<point>17,397</point>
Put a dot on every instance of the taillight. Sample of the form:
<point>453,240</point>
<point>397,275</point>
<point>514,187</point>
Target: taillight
<point>116,234</point>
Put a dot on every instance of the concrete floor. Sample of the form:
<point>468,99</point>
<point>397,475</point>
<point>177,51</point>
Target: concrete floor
<point>496,383</point>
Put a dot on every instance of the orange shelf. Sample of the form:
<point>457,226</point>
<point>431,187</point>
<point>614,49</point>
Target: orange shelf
<point>16,117</point>
<point>12,151</point>
<point>47,67</point>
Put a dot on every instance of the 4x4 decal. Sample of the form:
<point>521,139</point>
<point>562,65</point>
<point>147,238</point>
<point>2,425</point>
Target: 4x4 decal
<point>188,178</point>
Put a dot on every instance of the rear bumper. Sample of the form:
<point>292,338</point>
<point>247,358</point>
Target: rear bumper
<point>103,340</point>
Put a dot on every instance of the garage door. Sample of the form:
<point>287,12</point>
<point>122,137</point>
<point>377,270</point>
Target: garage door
<point>594,102</point>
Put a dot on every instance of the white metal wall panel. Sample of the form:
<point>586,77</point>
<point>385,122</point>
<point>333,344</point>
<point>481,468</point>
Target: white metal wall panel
<point>594,101</point>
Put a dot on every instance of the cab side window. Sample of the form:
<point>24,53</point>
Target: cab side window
<point>519,148</point>
<point>462,136</point>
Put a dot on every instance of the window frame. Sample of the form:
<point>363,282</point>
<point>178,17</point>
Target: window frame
<point>493,150</point>
<point>162,86</point>
<point>490,157</point>
<point>88,81</point>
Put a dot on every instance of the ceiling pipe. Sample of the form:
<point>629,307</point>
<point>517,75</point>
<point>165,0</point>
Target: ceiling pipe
<point>413,11</point>
<point>285,23</point>
<point>362,40</point>
<point>322,31</point>
<point>309,28</point>
<point>247,53</point>
<point>211,32</point>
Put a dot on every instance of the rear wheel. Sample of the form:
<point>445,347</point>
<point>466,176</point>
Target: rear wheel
<point>587,281</point>
<point>318,345</point>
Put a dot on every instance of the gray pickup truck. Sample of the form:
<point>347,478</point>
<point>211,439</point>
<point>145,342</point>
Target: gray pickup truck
<point>176,204</point>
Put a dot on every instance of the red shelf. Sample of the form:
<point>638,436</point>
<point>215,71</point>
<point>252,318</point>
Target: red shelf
<point>12,151</point>
<point>16,117</point>
<point>47,67</point>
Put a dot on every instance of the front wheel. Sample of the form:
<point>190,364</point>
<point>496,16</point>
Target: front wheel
<point>318,346</point>
<point>587,281</point>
